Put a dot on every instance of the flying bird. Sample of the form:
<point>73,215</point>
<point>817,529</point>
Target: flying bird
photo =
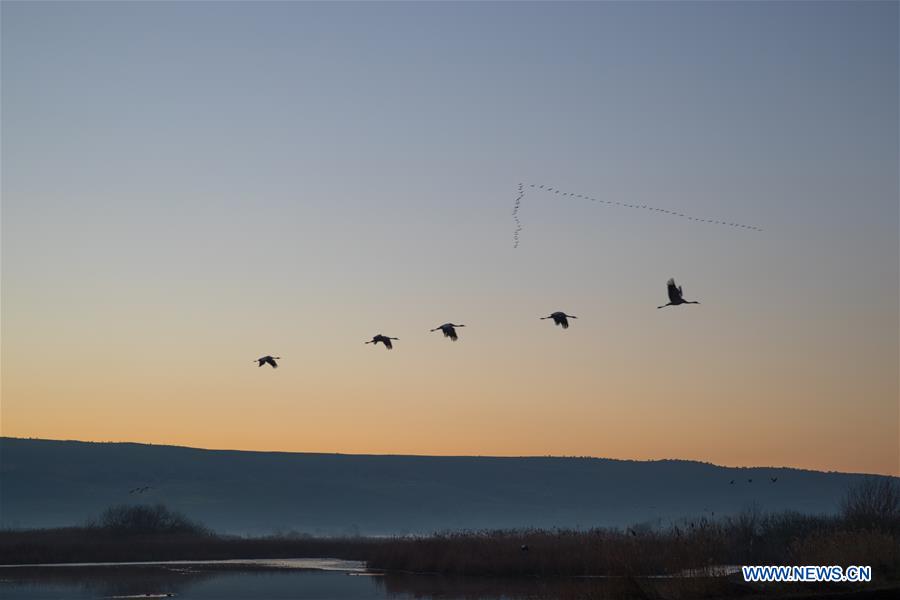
<point>268,360</point>
<point>560,318</point>
<point>774,479</point>
<point>676,295</point>
<point>449,330</point>
<point>749,481</point>
<point>731,482</point>
<point>384,340</point>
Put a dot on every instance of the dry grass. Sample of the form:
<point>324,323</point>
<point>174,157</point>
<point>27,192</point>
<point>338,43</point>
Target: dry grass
<point>696,546</point>
<point>86,544</point>
<point>867,532</point>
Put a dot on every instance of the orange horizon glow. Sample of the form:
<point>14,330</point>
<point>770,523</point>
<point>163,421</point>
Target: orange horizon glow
<point>451,454</point>
<point>176,204</point>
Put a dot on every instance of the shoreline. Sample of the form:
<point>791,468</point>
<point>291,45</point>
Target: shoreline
<point>315,564</point>
<point>637,587</point>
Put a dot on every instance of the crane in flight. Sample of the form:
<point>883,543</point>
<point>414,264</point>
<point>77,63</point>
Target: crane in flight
<point>384,340</point>
<point>268,360</point>
<point>676,295</point>
<point>560,318</point>
<point>449,330</point>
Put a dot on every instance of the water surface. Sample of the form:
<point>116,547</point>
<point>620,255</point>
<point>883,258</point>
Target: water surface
<point>308,579</point>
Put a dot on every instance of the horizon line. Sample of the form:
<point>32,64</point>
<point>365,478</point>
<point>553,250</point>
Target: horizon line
<point>487,456</point>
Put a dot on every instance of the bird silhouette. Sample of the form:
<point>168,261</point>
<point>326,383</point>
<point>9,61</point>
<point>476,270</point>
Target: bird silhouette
<point>675,295</point>
<point>449,330</point>
<point>731,482</point>
<point>749,481</point>
<point>524,547</point>
<point>384,340</point>
<point>774,479</point>
<point>560,318</point>
<point>268,360</point>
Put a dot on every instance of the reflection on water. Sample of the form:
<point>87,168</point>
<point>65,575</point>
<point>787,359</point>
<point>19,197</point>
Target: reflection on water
<point>199,581</point>
<point>307,579</point>
<point>320,564</point>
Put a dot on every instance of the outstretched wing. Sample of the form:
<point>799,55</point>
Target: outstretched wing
<point>561,319</point>
<point>387,343</point>
<point>272,362</point>
<point>674,291</point>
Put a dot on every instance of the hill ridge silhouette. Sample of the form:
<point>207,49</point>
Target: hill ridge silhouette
<point>46,483</point>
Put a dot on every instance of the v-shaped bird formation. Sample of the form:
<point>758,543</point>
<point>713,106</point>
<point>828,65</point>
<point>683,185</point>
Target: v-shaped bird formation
<point>663,211</point>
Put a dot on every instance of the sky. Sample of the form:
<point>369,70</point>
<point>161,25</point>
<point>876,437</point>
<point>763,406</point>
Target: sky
<point>188,186</point>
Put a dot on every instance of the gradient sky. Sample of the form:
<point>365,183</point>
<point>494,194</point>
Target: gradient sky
<point>187,186</point>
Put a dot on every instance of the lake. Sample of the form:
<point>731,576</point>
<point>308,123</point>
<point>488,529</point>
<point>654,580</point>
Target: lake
<point>294,579</point>
<point>335,579</point>
<point>225,580</point>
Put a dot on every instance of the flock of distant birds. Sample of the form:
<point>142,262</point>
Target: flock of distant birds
<point>676,294</point>
<point>673,213</point>
<point>561,319</point>
<point>772,479</point>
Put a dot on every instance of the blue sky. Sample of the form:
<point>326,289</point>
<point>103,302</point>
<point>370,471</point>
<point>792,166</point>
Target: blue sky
<point>211,180</point>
